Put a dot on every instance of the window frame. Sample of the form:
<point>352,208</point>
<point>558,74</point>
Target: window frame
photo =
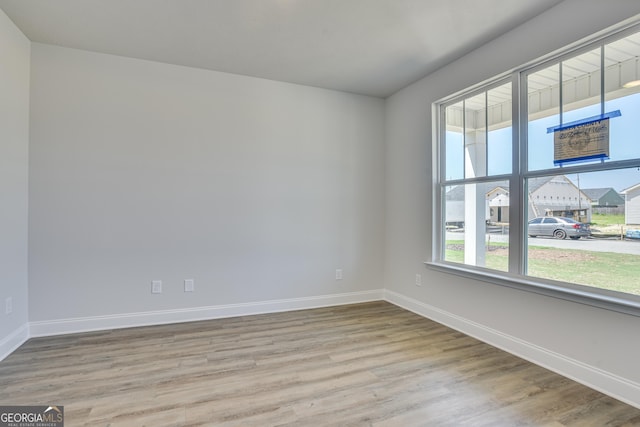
<point>517,264</point>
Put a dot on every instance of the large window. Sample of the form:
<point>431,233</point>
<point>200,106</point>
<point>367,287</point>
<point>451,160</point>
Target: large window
<point>544,192</point>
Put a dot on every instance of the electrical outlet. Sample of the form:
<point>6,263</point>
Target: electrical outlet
<point>156,286</point>
<point>189,285</point>
<point>339,274</point>
<point>8,305</point>
<point>418,279</point>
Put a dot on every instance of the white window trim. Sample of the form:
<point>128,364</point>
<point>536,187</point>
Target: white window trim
<point>515,278</point>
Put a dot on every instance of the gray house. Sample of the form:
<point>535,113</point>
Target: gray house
<point>605,200</point>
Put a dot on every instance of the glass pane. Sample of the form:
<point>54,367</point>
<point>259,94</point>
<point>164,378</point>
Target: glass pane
<point>454,142</point>
<point>500,132</point>
<point>581,88</point>
<point>477,224</point>
<point>595,239</point>
<point>623,139</point>
<point>475,136</point>
<point>543,89</point>
<point>622,85</point>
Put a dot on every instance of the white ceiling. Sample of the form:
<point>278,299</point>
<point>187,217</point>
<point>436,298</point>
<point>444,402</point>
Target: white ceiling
<point>371,47</point>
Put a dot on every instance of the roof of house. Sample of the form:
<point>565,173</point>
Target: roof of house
<point>457,192</point>
<point>632,188</point>
<point>534,184</point>
<point>596,193</point>
<point>604,195</point>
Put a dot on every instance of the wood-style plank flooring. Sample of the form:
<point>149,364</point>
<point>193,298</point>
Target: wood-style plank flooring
<point>370,364</point>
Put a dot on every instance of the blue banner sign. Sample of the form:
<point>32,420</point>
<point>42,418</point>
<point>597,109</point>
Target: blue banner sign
<point>582,140</point>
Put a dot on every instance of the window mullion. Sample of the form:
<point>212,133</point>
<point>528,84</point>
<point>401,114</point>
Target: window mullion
<point>603,89</point>
<point>519,152</point>
<point>438,162</point>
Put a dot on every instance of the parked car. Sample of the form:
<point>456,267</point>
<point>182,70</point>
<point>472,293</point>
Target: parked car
<point>558,227</point>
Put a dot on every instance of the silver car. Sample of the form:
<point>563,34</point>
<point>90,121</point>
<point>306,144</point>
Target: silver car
<point>558,227</point>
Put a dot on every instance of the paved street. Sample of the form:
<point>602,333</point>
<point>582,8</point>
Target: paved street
<point>590,244</point>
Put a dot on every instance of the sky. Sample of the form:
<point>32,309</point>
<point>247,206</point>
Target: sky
<point>624,144</point>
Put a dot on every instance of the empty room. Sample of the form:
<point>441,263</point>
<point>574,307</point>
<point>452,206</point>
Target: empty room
<point>319,213</point>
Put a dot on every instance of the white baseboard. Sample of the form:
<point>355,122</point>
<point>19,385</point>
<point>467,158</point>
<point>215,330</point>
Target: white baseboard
<point>127,320</point>
<point>14,340</point>
<point>595,378</point>
<point>603,381</point>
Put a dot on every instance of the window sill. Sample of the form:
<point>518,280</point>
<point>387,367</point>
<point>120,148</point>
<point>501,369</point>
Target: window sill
<point>594,297</point>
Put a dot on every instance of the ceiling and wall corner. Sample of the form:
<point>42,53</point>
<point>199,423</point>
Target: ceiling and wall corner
<point>369,47</point>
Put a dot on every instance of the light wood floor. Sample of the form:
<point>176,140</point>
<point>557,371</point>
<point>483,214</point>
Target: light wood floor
<point>368,364</point>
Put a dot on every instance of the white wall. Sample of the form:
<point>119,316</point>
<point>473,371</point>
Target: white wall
<point>256,189</point>
<point>596,346</point>
<point>14,143</point>
<point>632,207</point>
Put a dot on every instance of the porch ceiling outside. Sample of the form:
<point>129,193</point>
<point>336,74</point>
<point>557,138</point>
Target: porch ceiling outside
<point>581,85</point>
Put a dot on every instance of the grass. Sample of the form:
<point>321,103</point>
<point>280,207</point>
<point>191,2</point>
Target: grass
<point>497,261</point>
<point>604,220</point>
<point>604,270</point>
<point>608,225</point>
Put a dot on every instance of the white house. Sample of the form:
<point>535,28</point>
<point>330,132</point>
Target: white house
<point>632,205</point>
<point>548,196</point>
<point>558,196</point>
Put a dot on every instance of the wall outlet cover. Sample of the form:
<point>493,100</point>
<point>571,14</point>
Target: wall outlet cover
<point>156,286</point>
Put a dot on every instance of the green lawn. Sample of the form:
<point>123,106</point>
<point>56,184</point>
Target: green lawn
<point>605,270</point>
<point>603,220</point>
